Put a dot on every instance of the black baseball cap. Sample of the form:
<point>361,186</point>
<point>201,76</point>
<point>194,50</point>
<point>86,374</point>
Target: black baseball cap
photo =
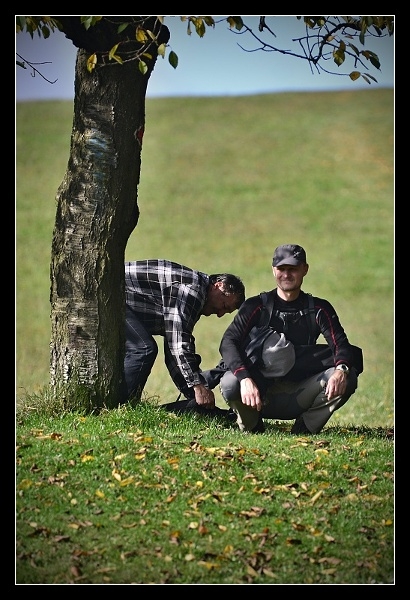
<point>289,254</point>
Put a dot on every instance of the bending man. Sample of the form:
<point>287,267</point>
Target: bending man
<point>167,299</point>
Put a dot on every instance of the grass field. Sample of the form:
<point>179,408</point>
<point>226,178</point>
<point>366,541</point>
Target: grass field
<point>142,496</point>
<point>146,497</point>
<point>223,182</point>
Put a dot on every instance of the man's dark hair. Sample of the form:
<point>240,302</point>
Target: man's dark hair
<point>231,285</point>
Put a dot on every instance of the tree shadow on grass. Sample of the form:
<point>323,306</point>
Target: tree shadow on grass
<point>228,418</point>
<point>359,430</point>
<point>363,430</point>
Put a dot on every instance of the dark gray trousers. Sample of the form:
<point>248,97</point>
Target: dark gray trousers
<point>288,400</point>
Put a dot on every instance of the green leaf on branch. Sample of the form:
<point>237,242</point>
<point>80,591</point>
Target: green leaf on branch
<point>173,59</point>
<point>161,50</point>
<point>235,22</point>
<point>142,66</point>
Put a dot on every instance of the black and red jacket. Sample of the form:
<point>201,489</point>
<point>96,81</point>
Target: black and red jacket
<point>289,318</point>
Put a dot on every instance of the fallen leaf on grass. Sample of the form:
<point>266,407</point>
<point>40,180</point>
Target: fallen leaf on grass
<point>127,481</point>
<point>130,554</point>
<point>208,565</point>
<point>116,475</point>
<point>24,484</point>
<point>120,456</point>
<point>255,511</point>
<point>329,571</point>
<point>316,497</point>
<point>351,497</point>
<point>52,436</point>
<point>174,537</point>
<point>331,560</point>
<point>269,573</point>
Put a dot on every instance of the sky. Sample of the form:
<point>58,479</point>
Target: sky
<point>214,65</point>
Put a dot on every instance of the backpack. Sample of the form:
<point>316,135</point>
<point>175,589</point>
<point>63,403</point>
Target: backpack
<point>310,358</point>
<point>269,351</point>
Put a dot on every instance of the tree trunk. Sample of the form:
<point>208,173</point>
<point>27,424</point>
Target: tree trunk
<point>97,210</point>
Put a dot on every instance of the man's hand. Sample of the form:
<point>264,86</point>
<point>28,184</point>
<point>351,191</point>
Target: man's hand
<point>204,397</point>
<point>250,394</point>
<point>336,386</point>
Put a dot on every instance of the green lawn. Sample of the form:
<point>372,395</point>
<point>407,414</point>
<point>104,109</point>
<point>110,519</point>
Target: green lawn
<point>140,496</point>
<point>223,182</point>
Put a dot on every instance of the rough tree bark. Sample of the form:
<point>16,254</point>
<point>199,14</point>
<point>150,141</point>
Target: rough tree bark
<point>97,210</point>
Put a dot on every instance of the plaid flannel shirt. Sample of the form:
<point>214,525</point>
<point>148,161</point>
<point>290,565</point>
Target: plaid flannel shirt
<point>168,299</point>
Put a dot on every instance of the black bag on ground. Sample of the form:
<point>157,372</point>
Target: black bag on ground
<point>190,406</point>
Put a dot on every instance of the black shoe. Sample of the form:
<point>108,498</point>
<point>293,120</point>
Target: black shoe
<point>190,406</point>
<point>299,426</point>
<point>178,407</point>
<point>228,414</point>
<point>231,416</point>
<point>259,427</point>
